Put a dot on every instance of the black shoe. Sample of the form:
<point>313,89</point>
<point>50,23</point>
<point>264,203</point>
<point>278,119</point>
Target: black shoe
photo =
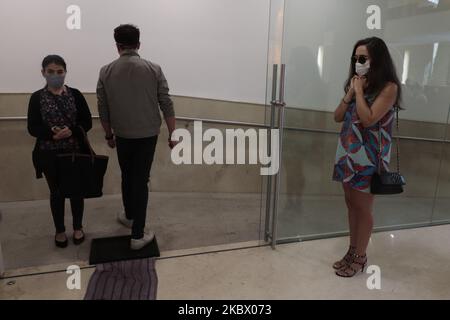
<point>79,241</point>
<point>61,244</point>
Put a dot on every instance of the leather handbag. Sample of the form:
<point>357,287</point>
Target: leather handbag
<point>384,182</point>
<point>80,175</point>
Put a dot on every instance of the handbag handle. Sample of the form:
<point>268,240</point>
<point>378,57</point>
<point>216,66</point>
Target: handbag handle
<point>397,138</point>
<point>86,141</point>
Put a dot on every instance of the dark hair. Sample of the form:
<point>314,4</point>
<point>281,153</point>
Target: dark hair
<point>127,36</point>
<point>382,68</point>
<point>53,58</point>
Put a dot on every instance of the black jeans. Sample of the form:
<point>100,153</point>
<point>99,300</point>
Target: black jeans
<point>57,205</point>
<point>135,160</point>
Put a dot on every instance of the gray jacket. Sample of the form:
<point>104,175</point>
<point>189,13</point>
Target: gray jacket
<point>130,92</point>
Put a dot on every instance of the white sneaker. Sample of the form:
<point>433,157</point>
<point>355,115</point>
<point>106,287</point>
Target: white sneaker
<point>137,244</point>
<point>122,218</point>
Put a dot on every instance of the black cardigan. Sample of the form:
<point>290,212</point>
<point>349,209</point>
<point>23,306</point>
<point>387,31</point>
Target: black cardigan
<point>41,131</point>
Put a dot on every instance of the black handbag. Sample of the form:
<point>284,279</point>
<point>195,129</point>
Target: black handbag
<point>383,182</point>
<point>81,175</point>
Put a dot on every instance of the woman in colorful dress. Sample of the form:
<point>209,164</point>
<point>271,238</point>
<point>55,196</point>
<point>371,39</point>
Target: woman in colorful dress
<point>55,115</point>
<point>372,92</point>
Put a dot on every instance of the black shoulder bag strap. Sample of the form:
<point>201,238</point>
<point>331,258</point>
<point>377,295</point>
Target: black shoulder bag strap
<point>380,136</point>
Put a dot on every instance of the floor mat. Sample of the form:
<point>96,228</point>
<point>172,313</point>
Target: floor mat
<point>124,280</point>
<point>114,249</point>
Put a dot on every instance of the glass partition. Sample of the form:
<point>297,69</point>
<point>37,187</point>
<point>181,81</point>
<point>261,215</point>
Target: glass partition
<point>215,62</point>
<point>200,208</point>
<point>317,44</point>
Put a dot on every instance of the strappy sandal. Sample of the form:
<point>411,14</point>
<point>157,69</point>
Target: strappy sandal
<point>346,260</point>
<point>78,241</point>
<point>357,264</point>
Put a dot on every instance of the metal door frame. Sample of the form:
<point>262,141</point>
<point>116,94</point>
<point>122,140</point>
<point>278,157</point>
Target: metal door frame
<point>277,108</point>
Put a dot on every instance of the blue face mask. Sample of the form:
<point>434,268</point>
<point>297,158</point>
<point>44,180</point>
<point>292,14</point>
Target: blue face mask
<point>55,81</point>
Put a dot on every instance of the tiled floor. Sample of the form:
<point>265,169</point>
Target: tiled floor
<point>414,264</point>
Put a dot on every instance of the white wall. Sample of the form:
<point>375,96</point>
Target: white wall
<point>218,48</point>
<point>207,48</point>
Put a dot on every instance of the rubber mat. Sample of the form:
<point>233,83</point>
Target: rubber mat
<point>114,249</point>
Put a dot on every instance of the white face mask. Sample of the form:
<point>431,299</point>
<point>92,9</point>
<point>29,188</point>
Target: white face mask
<point>362,69</point>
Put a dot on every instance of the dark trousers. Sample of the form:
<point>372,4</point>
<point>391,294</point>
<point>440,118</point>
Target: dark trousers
<point>135,160</point>
<point>57,205</point>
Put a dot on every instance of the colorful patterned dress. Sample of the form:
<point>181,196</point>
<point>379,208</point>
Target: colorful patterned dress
<point>357,150</point>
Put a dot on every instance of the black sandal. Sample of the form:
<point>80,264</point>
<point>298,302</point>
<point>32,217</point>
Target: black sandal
<point>79,241</point>
<point>61,244</point>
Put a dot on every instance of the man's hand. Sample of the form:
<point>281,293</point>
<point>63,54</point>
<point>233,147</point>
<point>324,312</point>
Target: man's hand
<point>172,144</point>
<point>170,121</point>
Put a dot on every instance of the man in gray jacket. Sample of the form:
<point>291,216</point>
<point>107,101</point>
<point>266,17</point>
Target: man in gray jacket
<point>130,92</point>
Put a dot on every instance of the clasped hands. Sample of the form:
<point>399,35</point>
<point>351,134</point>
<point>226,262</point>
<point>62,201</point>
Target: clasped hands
<point>358,84</point>
<point>61,132</point>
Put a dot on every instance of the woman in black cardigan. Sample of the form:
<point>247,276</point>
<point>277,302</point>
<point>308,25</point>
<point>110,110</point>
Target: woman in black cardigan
<point>55,114</point>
